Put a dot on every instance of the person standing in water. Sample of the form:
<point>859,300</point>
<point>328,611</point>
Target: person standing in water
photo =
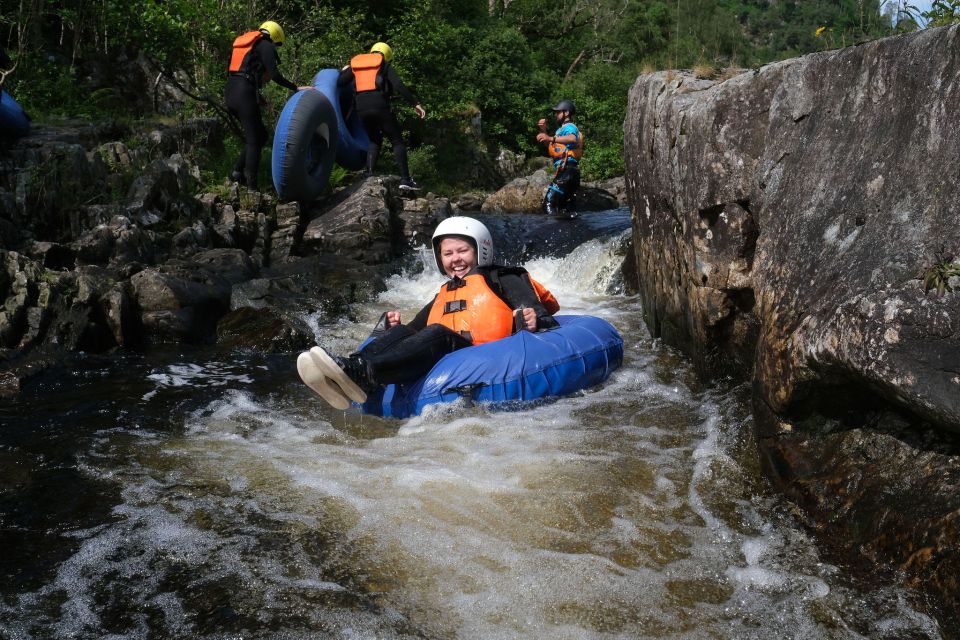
<point>374,81</point>
<point>481,302</point>
<point>565,147</point>
<point>253,63</point>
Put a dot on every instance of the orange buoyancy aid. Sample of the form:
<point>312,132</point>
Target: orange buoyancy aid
<point>561,152</point>
<point>475,311</point>
<point>242,46</point>
<point>365,67</point>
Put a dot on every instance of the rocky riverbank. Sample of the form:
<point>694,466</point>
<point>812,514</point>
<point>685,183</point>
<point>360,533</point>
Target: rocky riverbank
<point>108,240</point>
<point>798,225</point>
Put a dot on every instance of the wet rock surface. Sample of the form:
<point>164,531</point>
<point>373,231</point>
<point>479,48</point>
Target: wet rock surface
<point>784,223</point>
<point>150,260</point>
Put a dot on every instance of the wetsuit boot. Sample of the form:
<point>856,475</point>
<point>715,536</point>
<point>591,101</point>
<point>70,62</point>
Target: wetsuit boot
<point>554,205</point>
<point>400,154</point>
<point>250,180</point>
<point>358,370</point>
<point>373,154</point>
<point>237,174</point>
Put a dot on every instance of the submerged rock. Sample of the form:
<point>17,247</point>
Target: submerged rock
<point>263,331</point>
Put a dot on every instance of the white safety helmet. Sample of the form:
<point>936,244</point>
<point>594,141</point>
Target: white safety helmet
<point>473,231</point>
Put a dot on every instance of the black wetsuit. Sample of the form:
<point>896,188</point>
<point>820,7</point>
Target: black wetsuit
<point>377,117</point>
<point>407,352</point>
<point>242,95</point>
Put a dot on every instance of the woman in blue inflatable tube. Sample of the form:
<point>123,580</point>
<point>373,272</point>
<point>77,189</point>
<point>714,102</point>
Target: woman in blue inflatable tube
<point>481,302</point>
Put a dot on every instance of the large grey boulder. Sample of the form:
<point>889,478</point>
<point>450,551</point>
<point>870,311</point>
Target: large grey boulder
<point>525,195</point>
<point>361,222</point>
<point>783,222</point>
<point>163,190</point>
<point>521,195</point>
<point>420,216</point>
<point>616,187</point>
<point>184,300</point>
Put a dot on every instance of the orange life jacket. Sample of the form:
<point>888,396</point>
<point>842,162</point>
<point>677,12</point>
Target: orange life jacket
<point>365,67</point>
<point>242,46</point>
<point>476,312</point>
<point>561,152</point>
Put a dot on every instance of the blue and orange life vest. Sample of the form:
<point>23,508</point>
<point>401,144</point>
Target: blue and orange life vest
<point>562,153</point>
<point>470,307</point>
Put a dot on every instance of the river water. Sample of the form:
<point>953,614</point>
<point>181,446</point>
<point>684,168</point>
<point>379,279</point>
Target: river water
<point>194,493</point>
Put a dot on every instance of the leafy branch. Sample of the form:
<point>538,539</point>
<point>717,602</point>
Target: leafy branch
<point>941,12</point>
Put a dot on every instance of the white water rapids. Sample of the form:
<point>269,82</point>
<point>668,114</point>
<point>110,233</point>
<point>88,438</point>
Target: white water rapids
<point>631,510</point>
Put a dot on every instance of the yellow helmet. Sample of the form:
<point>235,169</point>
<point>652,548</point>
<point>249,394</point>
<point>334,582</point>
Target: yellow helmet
<point>274,31</point>
<point>383,48</point>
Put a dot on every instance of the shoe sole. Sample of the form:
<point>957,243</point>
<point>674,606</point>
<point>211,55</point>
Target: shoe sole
<point>329,367</point>
<point>313,377</point>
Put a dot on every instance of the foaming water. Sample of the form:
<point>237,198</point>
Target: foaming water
<point>634,509</point>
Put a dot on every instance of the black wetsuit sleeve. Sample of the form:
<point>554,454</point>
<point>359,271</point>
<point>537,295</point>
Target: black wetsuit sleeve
<point>420,321</point>
<point>270,59</point>
<point>346,77</point>
<point>396,83</point>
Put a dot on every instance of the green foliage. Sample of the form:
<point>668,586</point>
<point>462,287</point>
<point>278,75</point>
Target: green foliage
<point>426,169</point>
<point>941,12</point>
<point>454,164</point>
<point>507,61</point>
<point>219,164</point>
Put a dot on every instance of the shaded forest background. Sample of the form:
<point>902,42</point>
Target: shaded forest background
<point>507,60</point>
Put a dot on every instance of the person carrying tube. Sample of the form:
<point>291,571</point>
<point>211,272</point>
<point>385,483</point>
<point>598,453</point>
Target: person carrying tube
<point>253,63</point>
<point>374,81</point>
<point>480,302</point>
<point>565,147</point>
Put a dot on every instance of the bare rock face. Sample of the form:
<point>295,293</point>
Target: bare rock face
<point>371,222</point>
<point>360,223</point>
<point>525,195</point>
<point>420,216</point>
<point>184,300</point>
<point>784,223</point>
<point>519,195</point>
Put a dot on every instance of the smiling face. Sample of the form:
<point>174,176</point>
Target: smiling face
<point>457,256</point>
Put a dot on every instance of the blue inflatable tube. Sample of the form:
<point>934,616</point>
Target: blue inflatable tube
<point>304,146</point>
<point>581,353</point>
<point>14,122</point>
<point>353,141</point>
